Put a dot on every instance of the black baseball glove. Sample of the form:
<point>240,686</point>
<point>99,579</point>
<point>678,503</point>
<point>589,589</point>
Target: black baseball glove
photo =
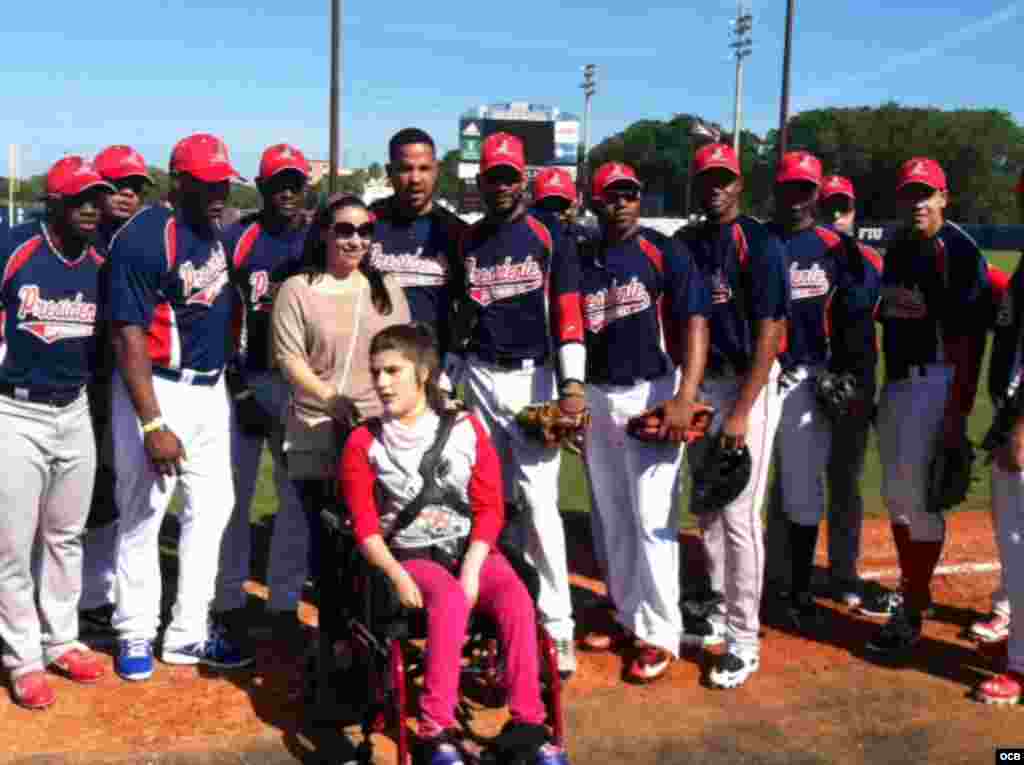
<point>723,475</point>
<point>837,394</point>
<point>949,476</point>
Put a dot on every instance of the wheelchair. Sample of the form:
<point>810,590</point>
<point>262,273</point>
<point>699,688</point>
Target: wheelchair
<point>360,612</point>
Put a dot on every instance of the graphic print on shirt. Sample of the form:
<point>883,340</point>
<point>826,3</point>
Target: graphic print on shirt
<point>202,286</point>
<point>808,282</point>
<point>899,302</point>
<point>412,269</point>
<point>503,280</point>
<point>53,320</point>
<point>613,303</point>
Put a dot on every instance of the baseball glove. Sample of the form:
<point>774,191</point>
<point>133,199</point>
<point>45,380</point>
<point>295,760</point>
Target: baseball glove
<point>949,476</point>
<point>552,425</point>
<point>723,475</point>
<point>647,426</point>
<point>836,394</point>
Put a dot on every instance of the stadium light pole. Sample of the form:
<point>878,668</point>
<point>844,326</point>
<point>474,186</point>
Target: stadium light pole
<point>589,86</point>
<point>742,45</point>
<point>698,130</point>
<point>786,56</point>
<point>335,105</point>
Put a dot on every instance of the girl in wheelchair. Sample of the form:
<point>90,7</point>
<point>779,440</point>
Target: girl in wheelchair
<point>445,559</point>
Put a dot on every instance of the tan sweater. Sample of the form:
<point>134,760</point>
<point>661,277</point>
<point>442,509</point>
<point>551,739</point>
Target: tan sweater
<point>316,326</point>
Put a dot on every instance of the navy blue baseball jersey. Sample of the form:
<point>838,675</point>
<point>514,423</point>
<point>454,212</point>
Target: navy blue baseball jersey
<point>50,307</point>
<point>172,280</point>
<point>638,296</point>
<point>524,286</point>
<point>261,260</point>
<point>422,255</point>
<point>932,290</point>
<point>744,266</point>
<point>819,264</point>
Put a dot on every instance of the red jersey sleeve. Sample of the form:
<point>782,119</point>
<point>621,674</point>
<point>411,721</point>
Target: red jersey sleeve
<point>357,480</point>
<point>486,495</point>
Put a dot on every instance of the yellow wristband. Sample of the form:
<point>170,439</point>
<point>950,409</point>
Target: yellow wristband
<point>155,424</point>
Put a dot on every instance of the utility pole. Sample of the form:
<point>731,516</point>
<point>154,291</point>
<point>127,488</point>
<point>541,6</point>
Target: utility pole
<point>742,44</point>
<point>589,89</point>
<point>335,106</point>
<point>784,106</point>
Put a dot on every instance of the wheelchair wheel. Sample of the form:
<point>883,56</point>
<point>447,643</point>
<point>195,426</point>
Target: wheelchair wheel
<point>553,685</point>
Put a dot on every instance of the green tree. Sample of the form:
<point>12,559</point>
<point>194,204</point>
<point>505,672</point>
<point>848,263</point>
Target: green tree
<point>448,184</point>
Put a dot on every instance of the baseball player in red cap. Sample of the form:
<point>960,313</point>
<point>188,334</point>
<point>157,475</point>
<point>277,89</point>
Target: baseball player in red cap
<point>50,294</point>
<point>525,325</point>
<point>125,169</point>
<point>171,310</point>
<point>645,307</point>
<point>264,249</point>
<point>744,266</point>
<point>834,289</point>
<point>1005,371</point>
<point>934,313</point>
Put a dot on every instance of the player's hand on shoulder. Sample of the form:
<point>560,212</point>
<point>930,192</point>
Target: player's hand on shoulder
<point>165,450</point>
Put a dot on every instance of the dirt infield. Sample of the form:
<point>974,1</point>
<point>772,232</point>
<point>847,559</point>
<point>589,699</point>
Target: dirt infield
<point>816,701</point>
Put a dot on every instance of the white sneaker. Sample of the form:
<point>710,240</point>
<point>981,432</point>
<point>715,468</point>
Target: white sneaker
<point>732,670</point>
<point>706,634</point>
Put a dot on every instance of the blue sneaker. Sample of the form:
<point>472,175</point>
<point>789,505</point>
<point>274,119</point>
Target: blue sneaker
<point>216,651</point>
<point>134,659</point>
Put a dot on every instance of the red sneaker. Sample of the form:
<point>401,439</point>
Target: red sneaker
<point>32,690</point>
<point>82,666</point>
<point>1001,689</point>
<point>650,663</point>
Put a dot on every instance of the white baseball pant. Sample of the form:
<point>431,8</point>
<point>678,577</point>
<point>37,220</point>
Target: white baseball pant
<point>635,494</point>
<point>50,466</point>
<point>1008,509</point>
<point>288,561</point>
<point>99,548</point>
<point>910,418</point>
<point>734,537</point>
<point>529,471</point>
<point>201,418</point>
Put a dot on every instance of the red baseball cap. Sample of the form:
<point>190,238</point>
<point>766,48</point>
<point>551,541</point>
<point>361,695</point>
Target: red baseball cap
<point>117,162</point>
<point>282,157</point>
<point>502,150</point>
<point>205,157</point>
<point>1020,184</point>
<point>831,185</point>
<point>613,172</point>
<point>922,170</point>
<point>71,176</point>
<point>799,166</point>
<point>554,182</point>
<point>716,155</point>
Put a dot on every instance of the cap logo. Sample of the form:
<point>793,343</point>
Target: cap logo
<point>835,183</point>
<point>556,181</point>
<point>131,158</point>
<point>918,169</point>
<point>286,153</point>
<point>806,163</point>
<point>504,148</point>
<point>718,154</point>
<point>220,154</point>
<point>83,169</point>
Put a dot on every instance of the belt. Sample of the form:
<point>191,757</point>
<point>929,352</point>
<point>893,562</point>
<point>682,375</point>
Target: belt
<point>505,362</point>
<point>909,372</point>
<point>188,376</point>
<point>59,399</point>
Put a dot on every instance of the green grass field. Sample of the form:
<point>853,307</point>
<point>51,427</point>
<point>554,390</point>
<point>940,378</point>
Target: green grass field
<point>573,496</point>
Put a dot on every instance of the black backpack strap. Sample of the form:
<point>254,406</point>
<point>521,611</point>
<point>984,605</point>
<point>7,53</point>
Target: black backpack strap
<point>428,467</point>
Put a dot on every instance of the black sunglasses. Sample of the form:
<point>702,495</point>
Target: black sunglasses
<point>626,195</point>
<point>346,230</point>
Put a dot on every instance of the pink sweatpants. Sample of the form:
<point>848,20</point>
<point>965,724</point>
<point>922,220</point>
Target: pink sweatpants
<point>504,598</point>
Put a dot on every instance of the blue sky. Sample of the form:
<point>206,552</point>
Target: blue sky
<point>79,76</point>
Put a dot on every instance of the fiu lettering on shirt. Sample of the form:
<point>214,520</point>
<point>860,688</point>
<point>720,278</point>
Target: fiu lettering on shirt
<point>201,286</point>
<point>503,280</point>
<point>616,302</point>
<point>53,320</point>
<point>412,269</point>
<point>808,282</point>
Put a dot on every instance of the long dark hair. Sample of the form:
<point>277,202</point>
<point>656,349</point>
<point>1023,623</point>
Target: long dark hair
<point>417,342</point>
<point>314,256</point>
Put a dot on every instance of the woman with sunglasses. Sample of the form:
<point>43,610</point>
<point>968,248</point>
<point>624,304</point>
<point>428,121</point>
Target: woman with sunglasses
<point>322,322</point>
